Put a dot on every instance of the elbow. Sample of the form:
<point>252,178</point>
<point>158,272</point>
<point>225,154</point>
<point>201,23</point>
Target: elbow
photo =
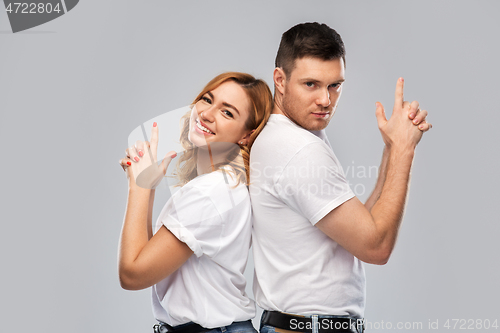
<point>126,284</point>
<point>378,256</point>
<point>127,280</point>
<point>382,258</point>
<point>378,249</point>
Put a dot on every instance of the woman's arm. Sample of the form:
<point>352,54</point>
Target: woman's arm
<point>142,261</point>
<point>150,214</point>
<point>145,259</point>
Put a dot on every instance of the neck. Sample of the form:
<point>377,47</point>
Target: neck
<point>278,104</point>
<point>209,156</point>
<point>204,161</point>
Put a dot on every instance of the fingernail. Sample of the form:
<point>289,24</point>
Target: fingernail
<point>415,121</point>
<point>141,153</point>
<point>154,124</point>
<point>412,115</point>
<point>129,163</point>
<point>136,159</point>
<point>401,79</point>
<point>421,126</point>
<point>174,155</point>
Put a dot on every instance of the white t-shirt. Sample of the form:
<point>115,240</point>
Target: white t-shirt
<point>213,219</point>
<point>295,180</point>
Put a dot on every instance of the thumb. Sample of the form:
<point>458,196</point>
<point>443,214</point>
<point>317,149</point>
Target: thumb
<point>380,114</point>
<point>166,160</point>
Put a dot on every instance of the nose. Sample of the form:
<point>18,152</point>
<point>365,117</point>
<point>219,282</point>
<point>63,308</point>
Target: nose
<point>324,98</point>
<point>208,114</point>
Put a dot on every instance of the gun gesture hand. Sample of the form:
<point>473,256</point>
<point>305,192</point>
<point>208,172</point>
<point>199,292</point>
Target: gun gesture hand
<point>407,123</point>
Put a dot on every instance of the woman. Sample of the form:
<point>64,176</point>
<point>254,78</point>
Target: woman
<point>209,216</point>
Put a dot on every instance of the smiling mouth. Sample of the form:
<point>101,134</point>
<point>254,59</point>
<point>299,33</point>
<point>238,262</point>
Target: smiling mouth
<point>203,128</point>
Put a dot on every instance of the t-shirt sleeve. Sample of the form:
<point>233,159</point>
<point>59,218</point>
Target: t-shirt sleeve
<point>193,218</point>
<point>313,182</point>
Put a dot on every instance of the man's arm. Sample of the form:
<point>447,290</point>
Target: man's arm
<point>371,235</point>
<point>382,173</point>
<point>419,119</point>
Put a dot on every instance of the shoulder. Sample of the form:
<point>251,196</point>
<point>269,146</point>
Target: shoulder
<point>280,128</point>
<point>216,188</point>
<point>213,181</point>
<point>281,140</point>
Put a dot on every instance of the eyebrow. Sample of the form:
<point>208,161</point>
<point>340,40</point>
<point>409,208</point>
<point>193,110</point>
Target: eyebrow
<point>317,81</point>
<point>224,103</point>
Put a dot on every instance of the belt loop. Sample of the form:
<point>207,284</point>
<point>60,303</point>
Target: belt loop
<point>263,318</point>
<point>265,315</point>
<point>360,325</point>
<point>314,323</point>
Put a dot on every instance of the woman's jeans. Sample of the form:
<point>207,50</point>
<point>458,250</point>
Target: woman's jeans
<point>236,327</point>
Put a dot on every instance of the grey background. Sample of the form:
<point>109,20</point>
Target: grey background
<point>73,89</point>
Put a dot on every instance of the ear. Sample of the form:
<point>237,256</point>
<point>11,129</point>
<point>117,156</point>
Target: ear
<point>279,79</point>
<point>246,137</point>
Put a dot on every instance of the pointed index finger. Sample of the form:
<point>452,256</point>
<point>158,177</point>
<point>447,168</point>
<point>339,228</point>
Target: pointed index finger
<point>154,136</point>
<point>398,98</point>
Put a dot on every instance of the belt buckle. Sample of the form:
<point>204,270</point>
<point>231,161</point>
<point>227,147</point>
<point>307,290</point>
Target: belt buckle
<point>157,328</point>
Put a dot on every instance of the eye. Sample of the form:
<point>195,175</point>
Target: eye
<point>228,113</point>
<point>310,84</point>
<point>206,99</point>
<point>335,85</point>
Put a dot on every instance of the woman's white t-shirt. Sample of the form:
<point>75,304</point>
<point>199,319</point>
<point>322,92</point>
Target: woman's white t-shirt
<point>214,219</point>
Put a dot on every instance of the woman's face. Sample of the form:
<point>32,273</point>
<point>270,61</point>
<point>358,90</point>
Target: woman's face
<point>220,116</point>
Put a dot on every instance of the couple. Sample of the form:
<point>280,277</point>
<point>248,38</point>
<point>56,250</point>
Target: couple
<point>309,232</point>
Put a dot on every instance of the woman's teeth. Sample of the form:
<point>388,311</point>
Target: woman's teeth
<point>203,128</point>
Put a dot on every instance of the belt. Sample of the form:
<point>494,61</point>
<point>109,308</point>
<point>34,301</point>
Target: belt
<point>324,324</point>
<point>190,328</point>
<point>186,328</point>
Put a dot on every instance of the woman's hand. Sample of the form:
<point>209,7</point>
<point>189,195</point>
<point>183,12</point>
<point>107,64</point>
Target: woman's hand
<point>141,163</point>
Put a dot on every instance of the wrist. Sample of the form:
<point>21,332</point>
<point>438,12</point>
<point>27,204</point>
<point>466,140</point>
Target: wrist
<point>401,150</point>
<point>134,188</point>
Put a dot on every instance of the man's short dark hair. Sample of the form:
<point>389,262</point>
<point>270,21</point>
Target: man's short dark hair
<point>308,40</point>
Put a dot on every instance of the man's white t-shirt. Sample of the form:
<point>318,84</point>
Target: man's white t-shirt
<point>295,180</point>
<point>213,219</point>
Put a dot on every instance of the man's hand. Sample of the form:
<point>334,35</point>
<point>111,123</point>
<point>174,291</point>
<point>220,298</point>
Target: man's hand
<point>419,117</point>
<point>399,130</point>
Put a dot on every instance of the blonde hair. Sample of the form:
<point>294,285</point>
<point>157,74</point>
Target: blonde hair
<point>261,100</point>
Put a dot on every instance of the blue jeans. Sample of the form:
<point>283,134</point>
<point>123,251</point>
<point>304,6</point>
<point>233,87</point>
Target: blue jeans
<point>236,327</point>
<point>271,329</point>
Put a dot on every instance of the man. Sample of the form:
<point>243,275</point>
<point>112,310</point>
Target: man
<point>310,233</point>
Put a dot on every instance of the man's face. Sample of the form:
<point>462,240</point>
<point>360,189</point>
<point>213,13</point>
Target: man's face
<point>312,91</point>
